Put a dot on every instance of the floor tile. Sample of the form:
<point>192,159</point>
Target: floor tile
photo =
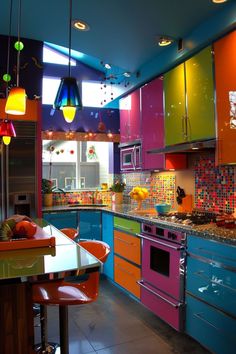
<point>117,323</point>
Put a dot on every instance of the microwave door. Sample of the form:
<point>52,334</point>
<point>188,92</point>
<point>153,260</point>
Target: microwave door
<point>127,159</point>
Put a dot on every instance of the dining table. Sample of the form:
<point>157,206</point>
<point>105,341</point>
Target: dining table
<point>19,268</point>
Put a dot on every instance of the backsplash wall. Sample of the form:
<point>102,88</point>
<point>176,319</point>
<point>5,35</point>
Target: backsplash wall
<point>213,188</point>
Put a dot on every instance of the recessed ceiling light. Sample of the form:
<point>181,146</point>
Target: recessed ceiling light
<point>164,41</point>
<point>127,74</point>
<point>218,1</point>
<point>80,25</point>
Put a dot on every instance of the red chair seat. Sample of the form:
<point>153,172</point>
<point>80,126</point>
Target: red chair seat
<point>99,249</point>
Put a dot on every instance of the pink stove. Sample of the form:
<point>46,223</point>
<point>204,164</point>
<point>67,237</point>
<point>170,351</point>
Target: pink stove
<point>163,272</point>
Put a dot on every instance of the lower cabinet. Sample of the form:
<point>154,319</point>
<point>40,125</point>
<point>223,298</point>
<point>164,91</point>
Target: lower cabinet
<point>211,294</point>
<point>107,236</point>
<point>127,275</point>
<point>127,255</point>
<point>213,329</point>
<point>90,224</point>
<point>62,219</point>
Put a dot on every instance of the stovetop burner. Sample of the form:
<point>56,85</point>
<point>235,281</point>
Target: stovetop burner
<point>194,218</point>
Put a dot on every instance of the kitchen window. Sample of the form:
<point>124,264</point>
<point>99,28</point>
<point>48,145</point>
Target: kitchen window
<point>76,164</point>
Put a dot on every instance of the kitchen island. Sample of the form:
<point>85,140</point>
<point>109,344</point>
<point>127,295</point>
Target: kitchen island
<point>18,268</point>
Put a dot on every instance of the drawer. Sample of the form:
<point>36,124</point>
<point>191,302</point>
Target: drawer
<point>212,328</point>
<point>217,252</point>
<point>215,285</point>
<point>127,275</point>
<point>127,246</point>
<point>127,225</point>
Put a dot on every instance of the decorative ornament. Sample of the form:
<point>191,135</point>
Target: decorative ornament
<point>101,124</point>
<point>92,153</point>
<point>6,77</point>
<point>19,46</point>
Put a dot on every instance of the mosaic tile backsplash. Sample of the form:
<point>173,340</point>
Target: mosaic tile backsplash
<point>161,187</point>
<point>214,186</point>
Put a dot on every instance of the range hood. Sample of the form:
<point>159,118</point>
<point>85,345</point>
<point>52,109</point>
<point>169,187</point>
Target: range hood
<point>186,147</point>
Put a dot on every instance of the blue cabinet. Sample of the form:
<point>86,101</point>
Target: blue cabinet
<point>62,219</point>
<point>107,236</point>
<point>90,224</point>
<point>211,294</point>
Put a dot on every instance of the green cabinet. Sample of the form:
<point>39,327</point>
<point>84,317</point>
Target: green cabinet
<point>189,100</point>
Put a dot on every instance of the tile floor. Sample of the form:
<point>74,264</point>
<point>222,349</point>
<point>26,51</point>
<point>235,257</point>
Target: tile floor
<point>117,324</point>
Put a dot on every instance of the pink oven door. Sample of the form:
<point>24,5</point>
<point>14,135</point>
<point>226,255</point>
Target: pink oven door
<point>163,266</point>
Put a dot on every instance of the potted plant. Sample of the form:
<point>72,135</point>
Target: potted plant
<point>118,188</point>
<point>47,192</point>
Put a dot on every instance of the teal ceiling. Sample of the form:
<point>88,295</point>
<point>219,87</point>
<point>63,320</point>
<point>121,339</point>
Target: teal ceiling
<point>123,33</point>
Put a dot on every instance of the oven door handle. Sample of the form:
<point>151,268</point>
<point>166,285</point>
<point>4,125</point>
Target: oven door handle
<point>141,283</point>
<point>160,243</point>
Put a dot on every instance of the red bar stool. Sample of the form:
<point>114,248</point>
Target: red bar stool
<point>64,293</point>
<point>70,232</point>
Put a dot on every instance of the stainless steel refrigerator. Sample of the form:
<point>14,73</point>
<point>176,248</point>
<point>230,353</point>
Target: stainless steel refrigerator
<point>19,171</point>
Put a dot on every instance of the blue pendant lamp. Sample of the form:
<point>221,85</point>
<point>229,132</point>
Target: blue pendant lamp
<point>68,97</point>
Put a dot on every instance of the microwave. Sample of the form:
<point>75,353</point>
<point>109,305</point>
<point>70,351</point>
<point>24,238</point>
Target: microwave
<point>130,158</point>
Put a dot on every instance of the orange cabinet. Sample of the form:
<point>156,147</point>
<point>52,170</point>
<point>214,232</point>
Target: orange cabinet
<point>126,275</point>
<point>127,246</point>
<point>225,80</point>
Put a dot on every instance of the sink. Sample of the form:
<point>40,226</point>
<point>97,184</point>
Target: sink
<point>86,205</point>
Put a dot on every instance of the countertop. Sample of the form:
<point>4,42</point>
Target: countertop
<point>208,231</point>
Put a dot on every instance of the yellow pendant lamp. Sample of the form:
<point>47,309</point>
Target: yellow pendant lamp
<point>16,101</point>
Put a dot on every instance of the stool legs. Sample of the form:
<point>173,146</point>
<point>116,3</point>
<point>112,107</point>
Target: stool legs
<point>44,347</point>
<point>63,316</point>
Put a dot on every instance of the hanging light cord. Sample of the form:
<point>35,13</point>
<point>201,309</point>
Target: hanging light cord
<point>8,46</point>
<point>18,39</point>
<point>70,19</point>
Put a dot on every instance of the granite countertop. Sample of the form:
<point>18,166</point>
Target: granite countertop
<point>208,231</point>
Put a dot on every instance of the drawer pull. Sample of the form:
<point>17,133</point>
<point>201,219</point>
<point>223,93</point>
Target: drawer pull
<point>214,280</point>
<point>141,283</point>
<point>128,243</point>
<point>198,315</point>
<point>124,228</point>
<point>124,270</point>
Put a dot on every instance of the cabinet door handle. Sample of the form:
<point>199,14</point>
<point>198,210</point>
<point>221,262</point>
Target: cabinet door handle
<point>141,283</point>
<point>183,132</point>
<point>125,228</point>
<point>124,270</point>
<point>121,239</point>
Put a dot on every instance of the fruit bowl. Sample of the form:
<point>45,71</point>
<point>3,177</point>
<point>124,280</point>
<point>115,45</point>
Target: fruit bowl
<point>163,208</point>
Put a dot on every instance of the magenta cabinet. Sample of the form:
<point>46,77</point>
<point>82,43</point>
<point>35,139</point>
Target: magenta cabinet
<point>130,117</point>
<point>152,123</point>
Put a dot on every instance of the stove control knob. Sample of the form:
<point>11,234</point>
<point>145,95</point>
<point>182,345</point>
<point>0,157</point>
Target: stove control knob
<point>172,235</point>
<point>147,228</point>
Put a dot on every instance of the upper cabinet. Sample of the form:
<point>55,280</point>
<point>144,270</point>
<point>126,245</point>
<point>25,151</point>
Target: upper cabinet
<point>189,100</point>
<point>152,123</point>
<point>225,80</point>
<point>130,117</point>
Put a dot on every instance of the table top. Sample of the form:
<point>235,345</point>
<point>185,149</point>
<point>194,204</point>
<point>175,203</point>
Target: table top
<point>65,256</point>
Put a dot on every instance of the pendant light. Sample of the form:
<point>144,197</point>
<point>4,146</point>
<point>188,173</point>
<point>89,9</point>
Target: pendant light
<point>7,130</point>
<point>68,97</point>
<point>16,101</point>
